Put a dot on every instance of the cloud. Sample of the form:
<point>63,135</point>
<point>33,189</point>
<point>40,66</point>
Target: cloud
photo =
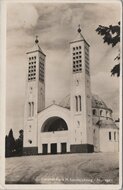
<point>104,84</point>
<point>56,25</point>
<point>67,17</point>
<point>21,40</point>
<point>15,93</point>
<point>104,13</point>
<point>21,15</point>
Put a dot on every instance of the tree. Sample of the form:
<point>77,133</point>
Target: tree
<point>7,150</point>
<point>19,143</point>
<point>111,36</point>
<point>13,147</point>
<point>10,144</point>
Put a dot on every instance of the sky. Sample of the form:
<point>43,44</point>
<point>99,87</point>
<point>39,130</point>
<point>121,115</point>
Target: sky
<point>56,26</point>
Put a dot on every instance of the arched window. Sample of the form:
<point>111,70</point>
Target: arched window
<point>32,108</point>
<point>94,112</point>
<point>109,135</point>
<point>80,106</point>
<point>115,135</point>
<point>101,112</point>
<point>54,124</point>
<point>76,99</point>
<point>29,109</point>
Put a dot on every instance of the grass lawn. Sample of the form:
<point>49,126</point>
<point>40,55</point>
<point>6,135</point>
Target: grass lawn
<point>94,168</point>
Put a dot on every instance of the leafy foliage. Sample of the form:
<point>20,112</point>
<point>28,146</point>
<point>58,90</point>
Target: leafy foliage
<point>116,70</point>
<point>19,143</point>
<point>10,144</point>
<point>13,147</point>
<point>111,36</point>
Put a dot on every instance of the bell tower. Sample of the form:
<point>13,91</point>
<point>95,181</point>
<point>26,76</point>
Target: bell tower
<point>80,100</point>
<point>35,96</point>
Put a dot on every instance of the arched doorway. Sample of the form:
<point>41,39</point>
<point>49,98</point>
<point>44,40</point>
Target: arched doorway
<point>54,126</point>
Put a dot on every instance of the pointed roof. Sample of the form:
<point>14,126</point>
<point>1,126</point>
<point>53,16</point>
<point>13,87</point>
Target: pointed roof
<point>79,36</point>
<point>35,47</point>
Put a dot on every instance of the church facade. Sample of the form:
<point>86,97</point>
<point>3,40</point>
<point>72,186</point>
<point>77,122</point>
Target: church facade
<point>82,122</point>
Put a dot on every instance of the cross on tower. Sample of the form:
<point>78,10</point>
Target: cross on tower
<point>36,41</point>
<point>79,29</point>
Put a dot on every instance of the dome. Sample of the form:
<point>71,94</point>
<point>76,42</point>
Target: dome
<point>106,124</point>
<point>97,102</point>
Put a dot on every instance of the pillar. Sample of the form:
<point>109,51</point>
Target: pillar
<point>68,147</point>
<point>49,151</point>
<point>58,147</point>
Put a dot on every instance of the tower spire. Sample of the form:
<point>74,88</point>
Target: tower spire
<point>36,40</point>
<point>79,29</point>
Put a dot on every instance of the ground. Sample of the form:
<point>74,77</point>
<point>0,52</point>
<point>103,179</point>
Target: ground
<point>94,168</point>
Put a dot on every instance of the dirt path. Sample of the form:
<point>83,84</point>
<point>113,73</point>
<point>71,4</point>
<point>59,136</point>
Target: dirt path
<point>63,169</point>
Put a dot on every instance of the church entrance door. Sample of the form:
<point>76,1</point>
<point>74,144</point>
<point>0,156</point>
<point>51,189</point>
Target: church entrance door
<point>63,148</point>
<point>45,148</point>
<point>53,148</point>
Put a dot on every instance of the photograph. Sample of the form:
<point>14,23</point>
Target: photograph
<point>63,94</point>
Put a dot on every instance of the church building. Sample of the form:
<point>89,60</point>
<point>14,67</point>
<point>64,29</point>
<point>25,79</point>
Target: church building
<point>81,123</point>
